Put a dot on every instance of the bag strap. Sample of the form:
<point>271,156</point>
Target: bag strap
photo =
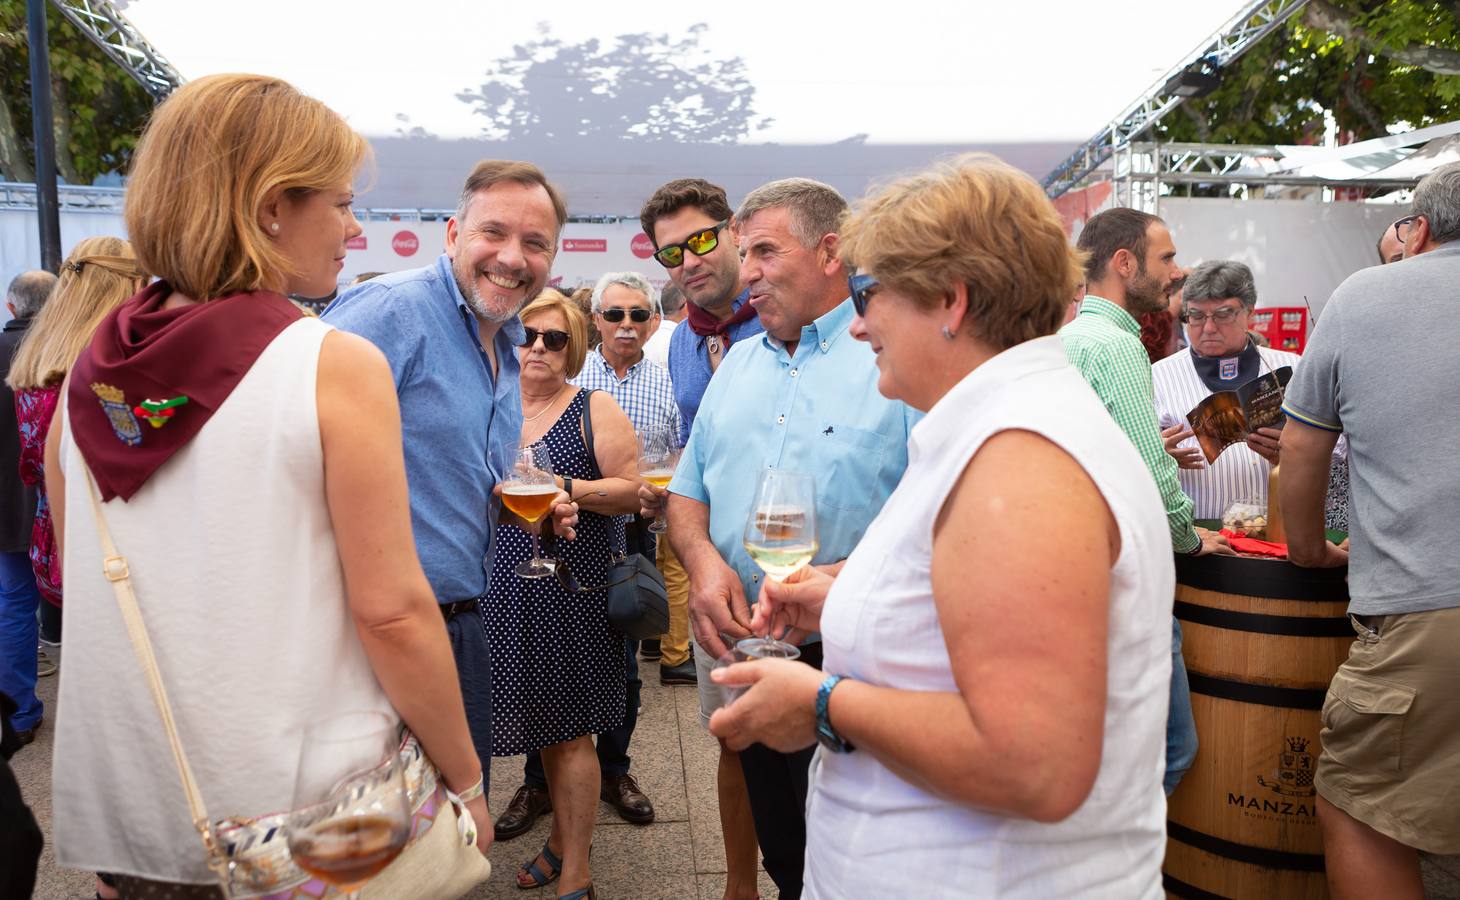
<point>588,432</point>
<point>114,567</point>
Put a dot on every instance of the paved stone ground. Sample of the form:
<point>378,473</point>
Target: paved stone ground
<point>679,857</point>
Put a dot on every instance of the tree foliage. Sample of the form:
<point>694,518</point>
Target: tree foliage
<point>1371,63</point>
<point>644,86</point>
<point>99,109</point>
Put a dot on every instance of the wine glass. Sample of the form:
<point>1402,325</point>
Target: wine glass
<point>351,815</point>
<point>747,649</point>
<point>780,536</point>
<point>658,455</point>
<point>528,491</point>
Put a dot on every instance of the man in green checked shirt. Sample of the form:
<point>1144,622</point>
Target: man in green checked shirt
<point>1132,270</point>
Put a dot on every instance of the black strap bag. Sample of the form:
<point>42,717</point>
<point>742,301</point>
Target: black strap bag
<point>638,603</point>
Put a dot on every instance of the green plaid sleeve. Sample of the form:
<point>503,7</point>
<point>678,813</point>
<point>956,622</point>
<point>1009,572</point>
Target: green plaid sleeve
<point>1121,375</point>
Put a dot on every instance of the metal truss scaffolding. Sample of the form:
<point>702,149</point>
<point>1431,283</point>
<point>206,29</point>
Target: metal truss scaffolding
<point>1251,24</point>
<point>120,40</point>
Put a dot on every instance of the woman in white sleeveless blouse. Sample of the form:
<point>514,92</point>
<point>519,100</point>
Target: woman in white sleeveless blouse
<point>267,530</point>
<point>1002,629</point>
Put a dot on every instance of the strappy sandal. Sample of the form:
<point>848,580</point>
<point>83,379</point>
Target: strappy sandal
<point>538,877</point>
<point>580,894</point>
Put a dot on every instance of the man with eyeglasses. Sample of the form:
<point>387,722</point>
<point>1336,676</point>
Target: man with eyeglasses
<point>450,332</point>
<point>690,222</point>
<point>1218,299</point>
<point>1390,761</point>
<point>1132,270</point>
<point>1391,242</point>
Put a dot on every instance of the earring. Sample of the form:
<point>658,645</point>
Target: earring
<point>274,227</point>
<point>949,333</point>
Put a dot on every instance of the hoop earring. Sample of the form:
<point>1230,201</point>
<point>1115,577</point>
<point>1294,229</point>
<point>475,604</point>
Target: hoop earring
<point>949,333</point>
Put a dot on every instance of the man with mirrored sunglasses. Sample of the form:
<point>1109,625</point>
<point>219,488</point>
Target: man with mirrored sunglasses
<point>717,314</point>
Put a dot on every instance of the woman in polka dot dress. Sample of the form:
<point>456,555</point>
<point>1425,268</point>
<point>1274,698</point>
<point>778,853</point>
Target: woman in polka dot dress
<point>557,665</point>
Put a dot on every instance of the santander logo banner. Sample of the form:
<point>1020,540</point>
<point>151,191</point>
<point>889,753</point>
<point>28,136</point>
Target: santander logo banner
<point>641,246</point>
<point>585,245</point>
<point>358,242</point>
<point>405,243</point>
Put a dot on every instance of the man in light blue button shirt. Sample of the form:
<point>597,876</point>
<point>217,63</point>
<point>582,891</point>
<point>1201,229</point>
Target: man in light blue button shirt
<point>450,332</point>
<point>804,397</point>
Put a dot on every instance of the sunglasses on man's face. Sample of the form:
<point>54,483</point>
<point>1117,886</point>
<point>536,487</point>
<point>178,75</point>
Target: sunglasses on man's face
<point>615,314</point>
<point>863,288</point>
<point>553,340</point>
<point>671,256</point>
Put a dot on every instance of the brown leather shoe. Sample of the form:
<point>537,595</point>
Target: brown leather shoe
<point>623,794</point>
<point>521,814</point>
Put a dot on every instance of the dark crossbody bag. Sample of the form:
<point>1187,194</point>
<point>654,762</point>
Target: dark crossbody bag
<point>638,604</point>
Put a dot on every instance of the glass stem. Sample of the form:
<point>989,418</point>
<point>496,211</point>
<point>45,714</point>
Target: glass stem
<point>536,553</point>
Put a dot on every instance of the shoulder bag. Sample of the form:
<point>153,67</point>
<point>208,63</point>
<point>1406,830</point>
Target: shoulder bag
<point>250,855</point>
<point>638,604</point>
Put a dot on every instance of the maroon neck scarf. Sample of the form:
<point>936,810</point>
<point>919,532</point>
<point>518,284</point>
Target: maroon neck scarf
<point>152,377</point>
<point>705,324</point>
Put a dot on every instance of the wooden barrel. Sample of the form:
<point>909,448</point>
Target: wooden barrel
<point>1262,639</point>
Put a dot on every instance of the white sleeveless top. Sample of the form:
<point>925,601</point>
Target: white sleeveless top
<point>234,563</point>
<point>872,834</point>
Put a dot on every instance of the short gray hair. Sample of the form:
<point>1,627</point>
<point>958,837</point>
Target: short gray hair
<point>816,209</point>
<point>28,292</point>
<point>1437,198</point>
<point>671,298</point>
<point>1218,279</point>
<point>631,280</point>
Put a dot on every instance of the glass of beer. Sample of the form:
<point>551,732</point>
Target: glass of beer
<point>658,455</point>
<point>780,536</point>
<point>528,491</point>
<point>351,815</point>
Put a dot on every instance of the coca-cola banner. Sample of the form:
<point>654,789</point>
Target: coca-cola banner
<point>586,250</point>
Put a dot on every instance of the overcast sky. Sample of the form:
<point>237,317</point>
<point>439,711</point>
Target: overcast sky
<point>949,72</point>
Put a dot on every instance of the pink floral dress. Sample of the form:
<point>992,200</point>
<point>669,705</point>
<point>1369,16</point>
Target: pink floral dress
<point>34,409</point>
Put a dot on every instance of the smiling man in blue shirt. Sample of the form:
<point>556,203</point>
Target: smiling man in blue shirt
<point>803,396</point>
<point>450,332</point>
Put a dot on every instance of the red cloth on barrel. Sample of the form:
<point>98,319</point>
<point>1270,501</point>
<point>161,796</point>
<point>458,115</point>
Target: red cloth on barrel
<point>1243,544</point>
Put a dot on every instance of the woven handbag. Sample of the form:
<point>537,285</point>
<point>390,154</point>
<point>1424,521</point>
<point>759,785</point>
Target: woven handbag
<point>250,856</point>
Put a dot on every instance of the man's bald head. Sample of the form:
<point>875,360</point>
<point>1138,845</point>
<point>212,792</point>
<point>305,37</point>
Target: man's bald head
<point>1391,248</point>
<point>28,292</point>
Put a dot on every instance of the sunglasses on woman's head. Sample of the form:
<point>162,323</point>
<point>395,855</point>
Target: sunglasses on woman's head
<point>553,340</point>
<point>616,314</point>
<point>671,256</point>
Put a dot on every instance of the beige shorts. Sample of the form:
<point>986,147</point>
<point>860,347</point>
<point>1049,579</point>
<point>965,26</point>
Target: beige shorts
<point>1391,729</point>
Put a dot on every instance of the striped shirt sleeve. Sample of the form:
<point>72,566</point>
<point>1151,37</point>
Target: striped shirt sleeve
<point>1122,379</point>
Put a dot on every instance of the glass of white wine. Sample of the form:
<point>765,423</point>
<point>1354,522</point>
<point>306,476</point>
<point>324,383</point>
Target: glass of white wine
<point>658,455</point>
<point>780,535</point>
<point>528,490</point>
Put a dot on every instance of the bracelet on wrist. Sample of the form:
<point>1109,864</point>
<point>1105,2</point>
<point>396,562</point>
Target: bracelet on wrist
<point>476,790</point>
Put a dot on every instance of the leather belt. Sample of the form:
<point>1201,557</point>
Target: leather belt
<point>450,611</point>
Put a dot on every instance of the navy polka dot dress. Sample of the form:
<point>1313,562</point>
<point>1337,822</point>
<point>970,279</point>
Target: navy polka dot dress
<point>557,665</point>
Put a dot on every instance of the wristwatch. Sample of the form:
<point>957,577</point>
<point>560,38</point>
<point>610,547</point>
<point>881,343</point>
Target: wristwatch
<point>825,734</point>
<point>568,487</point>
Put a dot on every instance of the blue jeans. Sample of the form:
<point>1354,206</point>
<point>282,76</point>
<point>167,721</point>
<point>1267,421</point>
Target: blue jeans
<point>1181,740</point>
<point>19,603</point>
<point>613,746</point>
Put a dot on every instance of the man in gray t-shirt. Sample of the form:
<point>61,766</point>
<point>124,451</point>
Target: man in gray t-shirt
<point>1381,369</point>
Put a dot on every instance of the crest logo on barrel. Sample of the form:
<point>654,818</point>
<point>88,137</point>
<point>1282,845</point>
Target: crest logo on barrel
<point>1295,770</point>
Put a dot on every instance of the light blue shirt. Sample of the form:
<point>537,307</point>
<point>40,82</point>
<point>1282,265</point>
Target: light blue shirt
<point>816,412</point>
<point>689,363</point>
<point>460,422</point>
